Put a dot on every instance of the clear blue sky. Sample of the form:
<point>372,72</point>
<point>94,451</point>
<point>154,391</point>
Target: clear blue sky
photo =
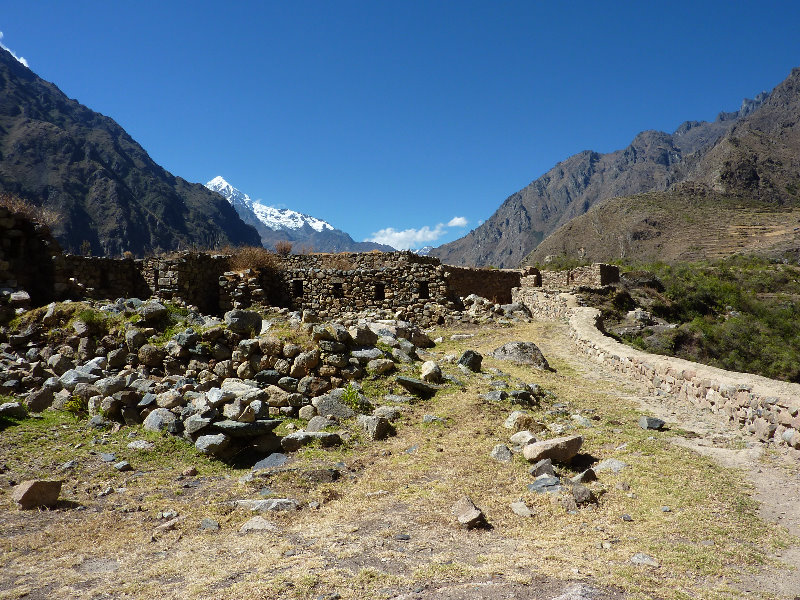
<point>406,114</point>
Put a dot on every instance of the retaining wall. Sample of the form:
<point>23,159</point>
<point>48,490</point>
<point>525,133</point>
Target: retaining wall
<point>767,408</point>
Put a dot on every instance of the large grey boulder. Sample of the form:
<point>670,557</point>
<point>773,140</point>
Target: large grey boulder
<point>243,322</point>
<point>471,360</point>
<point>14,410</point>
<point>159,419</point>
<point>376,428</point>
<point>560,449</point>
<point>39,400</point>
<point>522,353</point>
<point>214,445</point>
<point>152,310</point>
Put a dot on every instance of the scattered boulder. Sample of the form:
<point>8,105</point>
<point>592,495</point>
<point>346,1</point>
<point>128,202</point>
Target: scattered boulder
<point>522,353</point>
<point>36,493</point>
<point>501,453</point>
<point>646,422</point>
<point>376,428</point>
<point>258,524</point>
<point>561,449</point>
<point>13,410</point>
<point>430,372</point>
<point>469,515</point>
<point>417,386</point>
<point>471,360</point>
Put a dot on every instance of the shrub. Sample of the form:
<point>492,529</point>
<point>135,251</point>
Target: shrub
<point>252,257</point>
<point>77,406</point>
<point>44,216</point>
<point>283,247</point>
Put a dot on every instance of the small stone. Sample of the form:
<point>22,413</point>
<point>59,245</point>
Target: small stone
<point>430,372</point>
<point>376,428</point>
<point>501,453</point>
<point>651,423</point>
<point>123,465</point>
<point>190,472</point>
<point>640,558</point>
<point>469,515</point>
<point>627,518</point>
<point>417,386</point>
<point>586,476</point>
<point>610,464</point>
<point>107,457</point>
<point>521,509</point>
<point>666,509</point>
<point>36,493</point>
<point>208,524</point>
<point>543,467</point>
<point>141,445</point>
<point>258,524</point>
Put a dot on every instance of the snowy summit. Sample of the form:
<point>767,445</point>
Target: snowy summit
<point>277,219</point>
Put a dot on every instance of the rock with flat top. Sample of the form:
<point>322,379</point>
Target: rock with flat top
<point>559,450</point>
<point>36,493</point>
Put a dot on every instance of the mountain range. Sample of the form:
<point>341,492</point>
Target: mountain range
<point>739,195</point>
<point>106,190</point>
<point>281,224</point>
<point>653,161</point>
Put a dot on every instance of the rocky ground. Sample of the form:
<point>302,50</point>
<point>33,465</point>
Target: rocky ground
<point>368,459</point>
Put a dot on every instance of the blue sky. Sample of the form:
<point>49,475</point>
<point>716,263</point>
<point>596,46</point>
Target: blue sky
<point>418,116</point>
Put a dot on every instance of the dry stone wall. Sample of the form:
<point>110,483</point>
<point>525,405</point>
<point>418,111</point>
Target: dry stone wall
<point>493,284</point>
<point>26,256</point>
<point>765,407</point>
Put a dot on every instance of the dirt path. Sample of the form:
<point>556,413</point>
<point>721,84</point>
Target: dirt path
<point>774,473</point>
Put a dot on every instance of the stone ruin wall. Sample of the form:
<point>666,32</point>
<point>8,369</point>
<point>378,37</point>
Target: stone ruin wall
<point>492,284</point>
<point>193,277</point>
<point>99,277</point>
<point>27,251</point>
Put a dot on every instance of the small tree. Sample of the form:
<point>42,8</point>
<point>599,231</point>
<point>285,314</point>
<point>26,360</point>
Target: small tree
<point>86,248</point>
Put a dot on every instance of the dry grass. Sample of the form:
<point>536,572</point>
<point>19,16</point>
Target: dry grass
<point>38,214</point>
<point>251,257</point>
<point>405,485</point>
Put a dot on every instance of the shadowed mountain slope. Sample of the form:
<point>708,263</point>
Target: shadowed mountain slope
<point>59,154</point>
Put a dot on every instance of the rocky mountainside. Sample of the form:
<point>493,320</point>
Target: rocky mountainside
<point>281,224</point>
<point>58,154</point>
<point>653,161</point>
<point>742,195</point>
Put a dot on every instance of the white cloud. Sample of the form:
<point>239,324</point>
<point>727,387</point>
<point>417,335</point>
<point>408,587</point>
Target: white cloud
<point>457,222</point>
<point>407,238</point>
<point>414,238</point>
<point>4,47</point>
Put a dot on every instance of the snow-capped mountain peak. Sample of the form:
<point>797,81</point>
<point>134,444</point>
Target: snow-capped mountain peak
<point>277,219</point>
